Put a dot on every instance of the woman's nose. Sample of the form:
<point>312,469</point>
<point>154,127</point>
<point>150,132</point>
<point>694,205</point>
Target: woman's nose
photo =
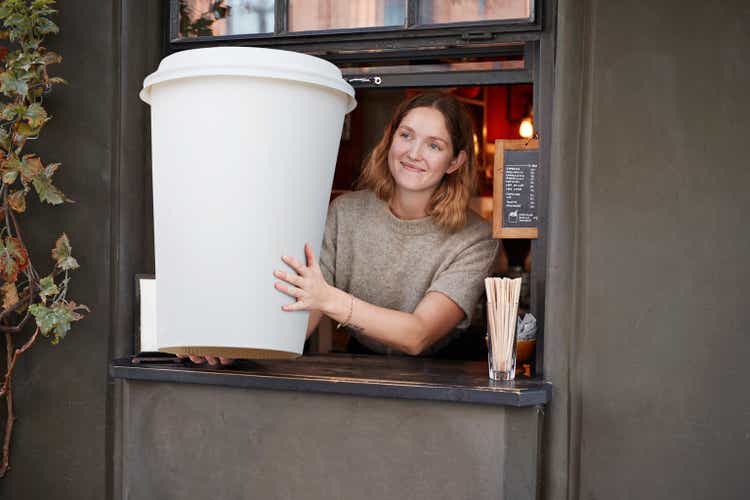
<point>415,151</point>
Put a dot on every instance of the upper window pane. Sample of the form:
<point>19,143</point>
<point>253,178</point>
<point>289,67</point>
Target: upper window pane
<point>457,11</point>
<point>307,15</point>
<point>436,66</point>
<point>225,17</point>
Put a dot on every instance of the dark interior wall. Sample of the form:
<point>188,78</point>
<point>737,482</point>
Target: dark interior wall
<point>651,367</point>
<point>63,441</point>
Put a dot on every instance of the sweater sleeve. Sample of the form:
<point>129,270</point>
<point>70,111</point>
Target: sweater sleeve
<point>327,259</point>
<point>463,279</point>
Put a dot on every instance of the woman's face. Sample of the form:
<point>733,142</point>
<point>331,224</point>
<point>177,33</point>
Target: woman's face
<point>421,151</point>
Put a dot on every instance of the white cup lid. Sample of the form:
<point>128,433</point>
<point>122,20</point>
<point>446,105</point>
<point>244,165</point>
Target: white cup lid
<point>249,61</point>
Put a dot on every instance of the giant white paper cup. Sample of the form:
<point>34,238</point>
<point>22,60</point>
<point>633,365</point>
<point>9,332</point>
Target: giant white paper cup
<point>244,146</point>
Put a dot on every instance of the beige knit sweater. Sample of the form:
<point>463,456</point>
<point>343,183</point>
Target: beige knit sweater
<point>381,259</point>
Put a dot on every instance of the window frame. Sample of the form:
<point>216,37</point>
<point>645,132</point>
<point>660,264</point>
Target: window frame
<point>482,38</point>
<point>457,32</point>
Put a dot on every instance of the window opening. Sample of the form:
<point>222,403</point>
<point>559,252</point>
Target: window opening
<point>497,112</point>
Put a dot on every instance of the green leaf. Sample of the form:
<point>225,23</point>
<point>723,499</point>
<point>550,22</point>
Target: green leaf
<point>47,191</point>
<point>47,287</point>
<point>42,6</point>
<point>10,169</point>
<point>12,163</point>
<point>24,61</point>
<point>56,319</point>
<point>26,130</point>
<point>35,115</point>
<point>10,85</point>
<point>45,26</point>
<point>4,138</point>
<point>46,318</point>
<point>62,253</point>
<point>12,110</point>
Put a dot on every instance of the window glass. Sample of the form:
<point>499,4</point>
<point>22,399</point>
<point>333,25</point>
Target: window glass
<point>225,17</point>
<point>456,11</point>
<point>434,67</point>
<point>234,17</point>
<point>307,15</point>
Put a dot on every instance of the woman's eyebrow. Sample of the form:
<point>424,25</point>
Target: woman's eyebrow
<point>431,137</point>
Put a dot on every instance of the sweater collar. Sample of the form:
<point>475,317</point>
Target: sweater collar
<point>403,226</point>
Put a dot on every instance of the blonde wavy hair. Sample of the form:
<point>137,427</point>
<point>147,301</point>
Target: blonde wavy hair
<point>449,203</point>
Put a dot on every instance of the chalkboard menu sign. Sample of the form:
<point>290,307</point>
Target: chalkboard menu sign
<point>515,189</point>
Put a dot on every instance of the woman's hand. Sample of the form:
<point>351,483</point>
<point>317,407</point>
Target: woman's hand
<point>212,360</point>
<point>306,284</point>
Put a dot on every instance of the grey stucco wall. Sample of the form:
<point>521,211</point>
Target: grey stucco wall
<point>58,445</point>
<point>647,318</point>
<point>185,440</point>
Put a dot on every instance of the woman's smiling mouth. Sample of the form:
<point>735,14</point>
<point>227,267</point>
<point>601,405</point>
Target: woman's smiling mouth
<point>411,168</point>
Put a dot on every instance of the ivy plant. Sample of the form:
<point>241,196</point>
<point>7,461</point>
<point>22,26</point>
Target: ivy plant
<point>32,303</point>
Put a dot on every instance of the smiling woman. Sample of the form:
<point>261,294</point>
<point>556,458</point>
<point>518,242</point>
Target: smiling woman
<point>403,259</point>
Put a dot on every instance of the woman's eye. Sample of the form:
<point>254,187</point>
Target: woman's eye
<point>405,135</point>
<point>435,147</point>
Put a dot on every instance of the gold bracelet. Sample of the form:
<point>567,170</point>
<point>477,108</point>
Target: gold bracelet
<point>349,316</point>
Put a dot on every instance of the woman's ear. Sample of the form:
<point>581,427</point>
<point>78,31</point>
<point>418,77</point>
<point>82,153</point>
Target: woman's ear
<point>457,162</point>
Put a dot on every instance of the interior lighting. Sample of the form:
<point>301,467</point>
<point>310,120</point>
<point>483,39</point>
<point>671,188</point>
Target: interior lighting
<point>526,130</point>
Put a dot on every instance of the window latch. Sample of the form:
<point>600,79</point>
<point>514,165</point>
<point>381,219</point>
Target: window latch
<point>375,80</point>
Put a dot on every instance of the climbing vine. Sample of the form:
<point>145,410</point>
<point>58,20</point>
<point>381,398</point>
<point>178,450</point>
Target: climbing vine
<point>27,294</point>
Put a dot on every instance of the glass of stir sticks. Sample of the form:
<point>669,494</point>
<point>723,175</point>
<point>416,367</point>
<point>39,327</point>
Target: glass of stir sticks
<point>502,314</point>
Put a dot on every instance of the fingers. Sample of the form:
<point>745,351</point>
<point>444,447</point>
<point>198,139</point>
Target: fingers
<point>310,256</point>
<point>288,277</point>
<point>289,290</point>
<point>296,306</point>
<point>311,261</point>
<point>294,264</point>
<point>212,360</point>
<point>298,267</point>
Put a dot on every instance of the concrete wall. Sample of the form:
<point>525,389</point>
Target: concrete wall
<point>649,280</point>
<point>64,442</point>
<point>184,440</point>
